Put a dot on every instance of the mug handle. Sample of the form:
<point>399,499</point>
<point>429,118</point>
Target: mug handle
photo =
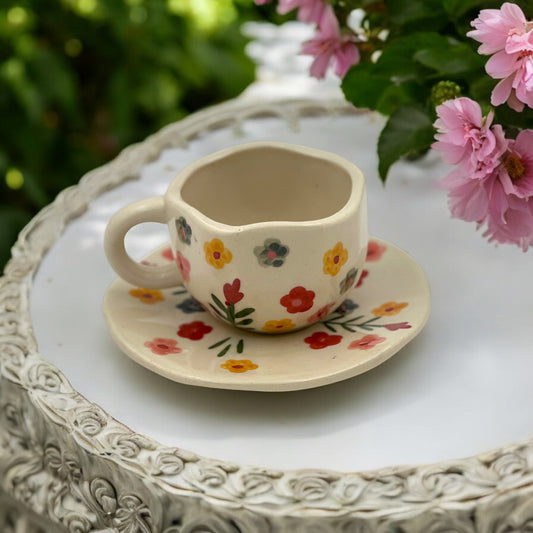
<point>148,277</point>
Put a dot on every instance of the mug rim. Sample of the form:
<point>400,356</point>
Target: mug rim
<point>173,196</point>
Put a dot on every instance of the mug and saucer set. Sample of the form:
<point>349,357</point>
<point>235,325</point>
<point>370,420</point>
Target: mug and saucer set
<point>270,281</point>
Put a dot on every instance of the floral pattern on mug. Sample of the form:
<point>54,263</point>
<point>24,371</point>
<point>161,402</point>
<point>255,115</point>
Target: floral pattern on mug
<point>238,365</point>
<point>346,307</point>
<point>232,292</point>
<point>396,326</point>
<point>216,254</point>
<point>319,340</point>
<point>374,251</point>
<point>147,296</point>
<point>272,253</point>
<point>334,259</point>
<point>323,312</point>
<point>184,266</point>
<point>161,346</point>
<point>367,342</point>
<point>190,305</point>
<point>273,326</point>
<point>194,330</point>
<point>167,254</point>
<point>389,308</point>
<point>364,274</point>
<point>347,283</point>
<point>298,300</point>
<point>184,230</point>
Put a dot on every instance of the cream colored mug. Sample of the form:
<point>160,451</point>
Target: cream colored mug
<point>267,236</point>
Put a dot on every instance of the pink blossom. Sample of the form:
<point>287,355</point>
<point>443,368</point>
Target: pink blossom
<point>331,47</point>
<point>308,10</point>
<point>467,139</point>
<point>508,35</point>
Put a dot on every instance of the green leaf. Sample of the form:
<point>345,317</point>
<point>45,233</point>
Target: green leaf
<point>240,346</point>
<point>457,8</point>
<point>363,87</point>
<point>245,312</point>
<point>402,12</point>
<point>409,129</point>
<point>217,311</point>
<point>219,303</point>
<point>223,352</point>
<point>451,59</point>
<point>219,343</point>
<point>244,322</point>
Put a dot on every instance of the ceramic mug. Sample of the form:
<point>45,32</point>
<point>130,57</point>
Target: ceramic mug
<point>266,236</point>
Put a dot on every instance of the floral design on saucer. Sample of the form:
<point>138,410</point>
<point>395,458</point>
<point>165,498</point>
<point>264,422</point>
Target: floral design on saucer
<point>171,334</point>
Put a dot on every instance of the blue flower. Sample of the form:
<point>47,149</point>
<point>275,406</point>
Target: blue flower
<point>191,305</point>
<point>184,230</point>
<point>346,307</point>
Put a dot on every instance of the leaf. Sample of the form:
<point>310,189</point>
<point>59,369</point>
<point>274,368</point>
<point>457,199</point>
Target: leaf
<point>408,130</point>
<point>414,11</point>
<point>223,352</point>
<point>245,312</point>
<point>240,346</point>
<point>219,303</point>
<point>217,311</point>
<point>457,8</point>
<point>363,87</point>
<point>219,343</point>
<point>455,58</point>
<point>244,322</point>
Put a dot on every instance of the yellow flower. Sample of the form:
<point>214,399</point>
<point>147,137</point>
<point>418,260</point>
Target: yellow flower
<point>389,308</point>
<point>216,254</point>
<point>147,296</point>
<point>334,259</point>
<point>277,326</point>
<point>238,365</point>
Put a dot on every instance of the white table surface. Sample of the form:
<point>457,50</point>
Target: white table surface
<point>463,386</point>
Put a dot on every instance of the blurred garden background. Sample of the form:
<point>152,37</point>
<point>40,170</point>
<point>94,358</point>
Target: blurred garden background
<point>82,79</point>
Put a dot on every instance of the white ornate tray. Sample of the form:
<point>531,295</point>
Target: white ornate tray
<point>460,389</point>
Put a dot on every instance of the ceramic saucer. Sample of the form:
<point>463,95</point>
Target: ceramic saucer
<point>169,333</point>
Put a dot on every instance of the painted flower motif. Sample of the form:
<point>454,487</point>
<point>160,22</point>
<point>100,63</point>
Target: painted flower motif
<point>364,274</point>
<point>238,366</point>
<point>184,266</point>
<point>374,251</point>
<point>147,296</point>
<point>279,326</point>
<point>184,230</point>
<point>367,342</point>
<point>298,300</point>
<point>272,253</point>
<point>397,326</point>
<point>216,254</point>
<point>167,254</point>
<point>347,283</point>
<point>346,307</point>
<point>161,346</point>
<point>190,305</point>
<point>323,312</point>
<point>194,330</point>
<point>319,340</point>
<point>334,259</point>
<point>389,309</point>
<point>231,292</point>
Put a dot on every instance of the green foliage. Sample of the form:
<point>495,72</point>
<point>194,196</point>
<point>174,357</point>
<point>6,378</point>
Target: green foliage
<point>81,79</point>
<point>399,76</point>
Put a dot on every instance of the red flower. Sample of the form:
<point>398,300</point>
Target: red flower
<point>163,346</point>
<point>397,325</point>
<point>167,254</point>
<point>364,274</point>
<point>298,300</point>
<point>184,266</point>
<point>319,340</point>
<point>375,251</point>
<point>231,292</point>
<point>194,330</point>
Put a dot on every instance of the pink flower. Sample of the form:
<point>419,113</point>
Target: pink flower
<point>331,47</point>
<point>466,138</point>
<point>184,266</point>
<point>367,342</point>
<point>323,312</point>
<point>397,325</point>
<point>374,251</point>
<point>308,10</point>
<point>161,346</point>
<point>508,35</point>
<point>167,254</point>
